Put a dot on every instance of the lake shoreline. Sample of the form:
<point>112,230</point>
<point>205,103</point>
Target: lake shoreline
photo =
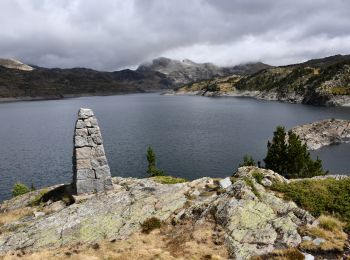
<point>69,96</point>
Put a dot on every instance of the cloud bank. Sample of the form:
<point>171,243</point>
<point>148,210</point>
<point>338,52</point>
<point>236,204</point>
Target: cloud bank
<point>115,34</point>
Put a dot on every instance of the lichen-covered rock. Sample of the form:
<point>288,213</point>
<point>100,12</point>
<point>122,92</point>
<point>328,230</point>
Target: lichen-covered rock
<point>251,219</point>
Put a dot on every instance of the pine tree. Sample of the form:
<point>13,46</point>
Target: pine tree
<point>247,161</point>
<point>152,169</point>
<point>290,158</point>
<point>151,158</point>
<point>276,157</point>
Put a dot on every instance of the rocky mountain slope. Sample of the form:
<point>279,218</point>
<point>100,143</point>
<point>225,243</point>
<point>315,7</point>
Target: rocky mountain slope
<point>20,81</point>
<point>238,218</point>
<point>14,64</point>
<point>317,82</point>
<point>186,71</point>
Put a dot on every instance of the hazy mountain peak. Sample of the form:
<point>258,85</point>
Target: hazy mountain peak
<point>14,64</point>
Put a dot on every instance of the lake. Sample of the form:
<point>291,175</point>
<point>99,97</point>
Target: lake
<point>192,136</point>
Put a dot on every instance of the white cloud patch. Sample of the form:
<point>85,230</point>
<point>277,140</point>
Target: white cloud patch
<point>114,34</point>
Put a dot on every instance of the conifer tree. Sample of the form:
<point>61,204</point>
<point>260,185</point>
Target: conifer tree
<point>290,158</point>
<point>276,157</point>
<point>152,169</point>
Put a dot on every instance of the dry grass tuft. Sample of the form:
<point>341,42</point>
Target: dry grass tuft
<point>282,254</point>
<point>14,215</point>
<point>183,241</point>
<point>331,230</point>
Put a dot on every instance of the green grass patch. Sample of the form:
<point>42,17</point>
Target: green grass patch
<point>250,183</point>
<point>327,196</point>
<point>168,179</point>
<point>258,176</point>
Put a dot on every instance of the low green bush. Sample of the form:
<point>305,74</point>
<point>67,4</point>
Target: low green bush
<point>326,196</point>
<point>168,180</point>
<point>38,198</point>
<point>150,224</point>
<point>19,189</point>
<point>258,176</point>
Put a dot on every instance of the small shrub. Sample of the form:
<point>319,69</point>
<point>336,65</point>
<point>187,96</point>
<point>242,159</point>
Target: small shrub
<point>327,196</point>
<point>19,189</point>
<point>247,161</point>
<point>38,198</point>
<point>150,224</point>
<point>168,180</point>
<point>258,176</point>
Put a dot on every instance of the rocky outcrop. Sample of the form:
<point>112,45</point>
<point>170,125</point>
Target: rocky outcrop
<point>15,64</point>
<point>323,133</point>
<point>251,218</point>
<point>91,173</point>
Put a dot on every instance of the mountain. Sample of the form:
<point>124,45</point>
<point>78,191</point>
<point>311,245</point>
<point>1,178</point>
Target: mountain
<point>186,71</point>
<point>20,81</point>
<point>317,82</point>
<point>14,64</point>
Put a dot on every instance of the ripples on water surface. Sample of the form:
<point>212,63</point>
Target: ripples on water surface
<point>192,136</point>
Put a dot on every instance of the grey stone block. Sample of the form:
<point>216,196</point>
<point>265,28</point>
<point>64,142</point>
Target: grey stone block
<point>98,151</point>
<point>83,164</point>
<point>102,172</point>
<point>85,186</point>
<point>98,162</point>
<point>83,153</point>
<point>80,141</point>
<point>81,132</point>
<point>85,113</point>
<point>85,174</point>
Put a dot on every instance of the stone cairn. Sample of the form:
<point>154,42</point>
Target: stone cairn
<point>91,173</point>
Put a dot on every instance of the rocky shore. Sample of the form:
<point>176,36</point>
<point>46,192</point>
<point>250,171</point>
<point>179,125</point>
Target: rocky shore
<point>323,133</point>
<point>292,97</point>
<point>245,217</point>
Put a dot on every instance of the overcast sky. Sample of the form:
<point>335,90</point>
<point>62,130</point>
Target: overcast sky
<point>115,34</point>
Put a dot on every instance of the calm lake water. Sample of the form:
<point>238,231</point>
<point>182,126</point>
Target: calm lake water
<point>192,136</point>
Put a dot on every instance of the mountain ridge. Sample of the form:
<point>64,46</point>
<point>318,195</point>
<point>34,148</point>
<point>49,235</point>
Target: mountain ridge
<point>18,82</point>
<point>323,81</point>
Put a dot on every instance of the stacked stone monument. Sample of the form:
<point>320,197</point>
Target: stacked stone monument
<point>91,173</point>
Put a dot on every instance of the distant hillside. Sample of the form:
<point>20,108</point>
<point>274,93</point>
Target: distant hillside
<point>20,81</point>
<point>186,71</point>
<point>318,82</point>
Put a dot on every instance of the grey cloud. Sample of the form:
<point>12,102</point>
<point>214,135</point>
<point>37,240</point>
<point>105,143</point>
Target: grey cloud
<point>114,34</point>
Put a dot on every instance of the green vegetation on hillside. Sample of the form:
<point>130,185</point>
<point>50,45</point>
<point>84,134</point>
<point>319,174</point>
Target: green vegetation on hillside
<point>323,196</point>
<point>168,179</point>
<point>289,157</point>
<point>316,80</point>
<point>19,189</point>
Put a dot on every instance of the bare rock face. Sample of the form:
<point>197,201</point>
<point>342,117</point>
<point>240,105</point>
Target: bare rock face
<point>91,173</point>
<point>323,133</point>
<point>15,64</point>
